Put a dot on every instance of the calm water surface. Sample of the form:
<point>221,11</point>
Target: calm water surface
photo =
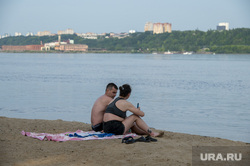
<point>198,94</point>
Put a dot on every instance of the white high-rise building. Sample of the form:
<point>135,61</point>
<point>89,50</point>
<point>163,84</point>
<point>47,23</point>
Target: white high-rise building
<point>29,34</point>
<point>18,34</point>
<point>132,31</point>
<point>223,26</point>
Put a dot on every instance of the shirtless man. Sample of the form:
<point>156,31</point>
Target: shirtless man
<point>100,105</point>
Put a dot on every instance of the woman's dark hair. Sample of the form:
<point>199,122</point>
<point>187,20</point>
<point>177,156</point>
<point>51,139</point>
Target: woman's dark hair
<point>125,90</point>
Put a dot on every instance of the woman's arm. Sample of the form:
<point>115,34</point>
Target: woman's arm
<point>134,110</point>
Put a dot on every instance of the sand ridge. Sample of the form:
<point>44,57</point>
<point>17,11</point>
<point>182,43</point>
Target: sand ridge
<point>16,149</point>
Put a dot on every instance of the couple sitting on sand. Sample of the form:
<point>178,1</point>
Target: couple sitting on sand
<point>109,114</point>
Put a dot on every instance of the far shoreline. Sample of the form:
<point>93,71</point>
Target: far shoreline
<point>119,52</point>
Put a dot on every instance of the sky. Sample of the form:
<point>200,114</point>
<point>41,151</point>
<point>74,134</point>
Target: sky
<point>99,16</point>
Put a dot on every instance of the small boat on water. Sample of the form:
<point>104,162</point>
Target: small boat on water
<point>168,53</point>
<point>187,53</point>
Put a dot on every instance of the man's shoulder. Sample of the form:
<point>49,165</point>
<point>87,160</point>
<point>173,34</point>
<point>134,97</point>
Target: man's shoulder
<point>105,98</point>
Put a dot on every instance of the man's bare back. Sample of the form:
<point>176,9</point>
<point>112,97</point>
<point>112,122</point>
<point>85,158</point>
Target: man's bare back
<point>100,106</point>
<point>98,109</point>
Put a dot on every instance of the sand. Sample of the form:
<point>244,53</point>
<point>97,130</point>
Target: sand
<point>18,150</point>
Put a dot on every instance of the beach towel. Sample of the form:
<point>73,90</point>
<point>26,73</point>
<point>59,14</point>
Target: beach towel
<point>78,135</point>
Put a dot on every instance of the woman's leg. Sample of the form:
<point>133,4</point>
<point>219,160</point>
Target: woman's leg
<point>129,122</point>
<point>137,130</point>
<point>142,127</point>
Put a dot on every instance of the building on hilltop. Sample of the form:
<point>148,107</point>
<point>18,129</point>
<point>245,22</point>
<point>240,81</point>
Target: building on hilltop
<point>148,26</point>
<point>91,35</point>
<point>118,35</point>
<point>44,33</point>
<point>88,35</point>
<point>29,34</point>
<point>18,34</point>
<point>5,35</point>
<point>162,28</point>
<point>223,26</point>
<point>66,32</point>
<point>132,31</point>
<point>157,28</point>
<point>167,27</point>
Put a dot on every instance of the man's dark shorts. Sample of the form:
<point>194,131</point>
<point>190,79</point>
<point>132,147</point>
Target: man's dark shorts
<point>97,127</point>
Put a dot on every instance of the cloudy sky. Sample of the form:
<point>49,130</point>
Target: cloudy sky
<point>119,15</point>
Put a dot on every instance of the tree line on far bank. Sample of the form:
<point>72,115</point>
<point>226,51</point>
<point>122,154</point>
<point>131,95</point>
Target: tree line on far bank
<point>232,41</point>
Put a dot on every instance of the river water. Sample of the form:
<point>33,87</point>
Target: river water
<point>205,95</point>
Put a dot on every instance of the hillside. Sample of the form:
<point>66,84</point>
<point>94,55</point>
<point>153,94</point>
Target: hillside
<point>232,41</point>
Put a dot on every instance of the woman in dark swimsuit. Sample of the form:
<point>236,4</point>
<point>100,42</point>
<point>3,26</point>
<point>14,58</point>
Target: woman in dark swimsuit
<point>116,121</point>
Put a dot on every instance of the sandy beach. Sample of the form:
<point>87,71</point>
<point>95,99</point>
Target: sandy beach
<point>18,150</point>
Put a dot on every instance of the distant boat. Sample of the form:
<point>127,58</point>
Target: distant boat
<point>187,53</point>
<point>168,53</point>
<point>154,53</point>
